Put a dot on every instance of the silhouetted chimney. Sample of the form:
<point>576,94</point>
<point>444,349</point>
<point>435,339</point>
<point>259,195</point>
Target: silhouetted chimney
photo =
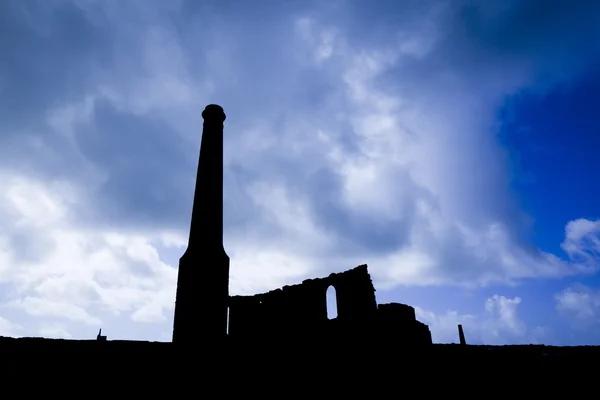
<point>461,334</point>
<point>100,338</point>
<point>203,276</point>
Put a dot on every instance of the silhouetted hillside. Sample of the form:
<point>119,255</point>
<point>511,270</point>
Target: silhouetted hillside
<point>370,350</point>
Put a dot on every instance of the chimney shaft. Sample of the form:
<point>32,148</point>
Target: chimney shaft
<point>206,228</point>
<point>203,276</point>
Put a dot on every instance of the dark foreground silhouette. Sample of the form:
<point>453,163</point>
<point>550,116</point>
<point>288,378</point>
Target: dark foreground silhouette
<point>302,349</point>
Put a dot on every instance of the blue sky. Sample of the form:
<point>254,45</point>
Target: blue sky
<point>449,145</point>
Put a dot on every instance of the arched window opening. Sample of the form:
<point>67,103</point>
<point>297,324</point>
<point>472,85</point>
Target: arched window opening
<point>331,303</point>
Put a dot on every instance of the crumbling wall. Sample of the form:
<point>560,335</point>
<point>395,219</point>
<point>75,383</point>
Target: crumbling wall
<point>396,312</point>
<point>397,323</point>
<point>302,309</point>
<point>355,294</point>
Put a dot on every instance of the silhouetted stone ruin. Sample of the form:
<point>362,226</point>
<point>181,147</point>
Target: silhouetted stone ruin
<point>300,311</point>
<point>297,311</point>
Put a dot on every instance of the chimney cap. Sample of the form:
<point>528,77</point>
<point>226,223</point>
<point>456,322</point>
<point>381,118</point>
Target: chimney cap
<point>213,111</point>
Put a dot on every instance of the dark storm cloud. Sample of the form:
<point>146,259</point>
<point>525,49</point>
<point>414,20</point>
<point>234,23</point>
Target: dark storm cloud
<point>145,171</point>
<point>552,39</point>
<point>48,52</point>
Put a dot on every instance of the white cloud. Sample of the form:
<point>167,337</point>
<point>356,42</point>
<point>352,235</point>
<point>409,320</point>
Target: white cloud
<point>80,273</point>
<point>40,307</point>
<point>579,303</point>
<point>582,241</point>
<point>55,331</point>
<point>322,42</point>
<point>8,328</point>
<point>498,324</point>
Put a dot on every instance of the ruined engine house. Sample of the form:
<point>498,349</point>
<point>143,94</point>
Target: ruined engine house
<point>301,311</point>
<point>204,310</point>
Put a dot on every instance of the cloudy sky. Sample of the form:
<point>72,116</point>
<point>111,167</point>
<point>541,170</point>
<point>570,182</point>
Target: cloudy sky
<point>448,144</point>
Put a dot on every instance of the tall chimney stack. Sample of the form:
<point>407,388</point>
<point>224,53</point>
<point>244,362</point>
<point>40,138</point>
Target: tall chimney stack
<point>203,276</point>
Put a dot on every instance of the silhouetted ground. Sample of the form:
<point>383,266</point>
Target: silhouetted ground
<point>370,350</point>
<point>368,369</point>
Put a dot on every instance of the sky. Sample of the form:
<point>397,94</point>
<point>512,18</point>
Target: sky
<point>448,145</point>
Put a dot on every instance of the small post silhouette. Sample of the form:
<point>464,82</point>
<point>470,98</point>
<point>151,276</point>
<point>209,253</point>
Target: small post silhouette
<point>100,338</point>
<point>461,334</point>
